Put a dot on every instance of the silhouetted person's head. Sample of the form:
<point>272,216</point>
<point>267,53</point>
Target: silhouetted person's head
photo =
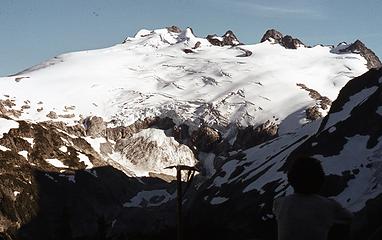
<point>306,175</point>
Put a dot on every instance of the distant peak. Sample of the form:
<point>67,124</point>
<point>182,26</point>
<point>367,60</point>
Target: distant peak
<point>228,39</point>
<point>174,29</point>
<point>272,34</point>
<point>287,41</point>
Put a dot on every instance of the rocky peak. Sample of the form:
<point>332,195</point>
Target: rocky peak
<point>174,29</point>
<point>359,47</point>
<point>272,34</point>
<point>228,39</point>
<point>287,41</point>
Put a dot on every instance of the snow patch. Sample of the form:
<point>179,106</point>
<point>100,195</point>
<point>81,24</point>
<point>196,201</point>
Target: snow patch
<point>152,198</point>
<point>353,101</point>
<point>63,149</point>
<point>379,110</point>
<point>85,159</point>
<point>2,148</point>
<point>6,125</point>
<point>96,143</point>
<point>218,200</point>
<point>55,162</point>
<point>332,129</point>
<point>29,140</point>
<point>24,154</point>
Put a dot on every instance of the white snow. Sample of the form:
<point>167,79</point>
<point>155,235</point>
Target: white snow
<point>15,193</point>
<point>85,159</point>
<point>63,149</point>
<point>353,156</point>
<point>379,110</point>
<point>150,75</point>
<point>153,198</point>
<point>349,105</point>
<point>55,162</point>
<point>29,140</point>
<point>207,159</point>
<point>228,169</point>
<point>6,125</point>
<point>96,143</point>
<point>218,200</point>
<point>2,148</point>
<point>23,153</point>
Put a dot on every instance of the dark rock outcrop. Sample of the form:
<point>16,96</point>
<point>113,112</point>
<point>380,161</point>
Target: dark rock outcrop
<point>286,41</point>
<point>186,50</point>
<point>250,136</point>
<point>228,39</point>
<point>324,101</point>
<point>197,45</point>
<point>95,126</point>
<point>205,138</point>
<point>359,47</point>
<point>313,113</point>
<point>174,29</point>
<point>246,53</point>
<point>272,34</point>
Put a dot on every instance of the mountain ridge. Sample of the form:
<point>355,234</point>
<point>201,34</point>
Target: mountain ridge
<point>91,133</point>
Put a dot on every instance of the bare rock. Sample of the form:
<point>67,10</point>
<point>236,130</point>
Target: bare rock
<point>181,133</point>
<point>188,51</point>
<point>272,34</point>
<point>228,39</point>
<point>359,47</point>
<point>205,138</point>
<point>71,115</point>
<point>95,126</point>
<point>287,41</point>
<point>197,45</point>
<point>324,101</point>
<point>250,136</point>
<point>291,43</point>
<point>119,132</point>
<point>174,29</point>
<point>7,110</point>
<point>313,113</point>
<point>246,53</point>
<point>52,115</point>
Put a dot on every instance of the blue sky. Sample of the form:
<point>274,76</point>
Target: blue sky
<point>32,31</point>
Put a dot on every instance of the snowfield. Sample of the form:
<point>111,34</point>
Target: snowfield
<point>150,75</point>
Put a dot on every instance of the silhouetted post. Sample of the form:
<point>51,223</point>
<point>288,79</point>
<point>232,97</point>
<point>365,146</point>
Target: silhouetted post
<point>179,203</point>
<point>179,195</point>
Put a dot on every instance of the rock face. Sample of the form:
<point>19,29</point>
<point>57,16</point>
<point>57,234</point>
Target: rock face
<point>228,39</point>
<point>277,37</point>
<point>205,138</point>
<point>359,47</point>
<point>95,126</point>
<point>174,29</point>
<point>250,136</point>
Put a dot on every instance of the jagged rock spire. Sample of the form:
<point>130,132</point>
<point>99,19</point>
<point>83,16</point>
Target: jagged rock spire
<point>228,39</point>
<point>277,37</point>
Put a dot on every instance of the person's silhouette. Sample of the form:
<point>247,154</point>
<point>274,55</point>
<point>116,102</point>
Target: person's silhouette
<point>306,215</point>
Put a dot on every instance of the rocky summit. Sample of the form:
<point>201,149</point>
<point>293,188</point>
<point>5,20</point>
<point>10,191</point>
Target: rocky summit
<point>84,152</point>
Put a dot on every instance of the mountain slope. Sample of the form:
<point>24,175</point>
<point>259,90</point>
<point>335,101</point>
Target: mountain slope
<point>91,132</point>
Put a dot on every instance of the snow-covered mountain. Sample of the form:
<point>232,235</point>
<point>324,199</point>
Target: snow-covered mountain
<point>91,133</point>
